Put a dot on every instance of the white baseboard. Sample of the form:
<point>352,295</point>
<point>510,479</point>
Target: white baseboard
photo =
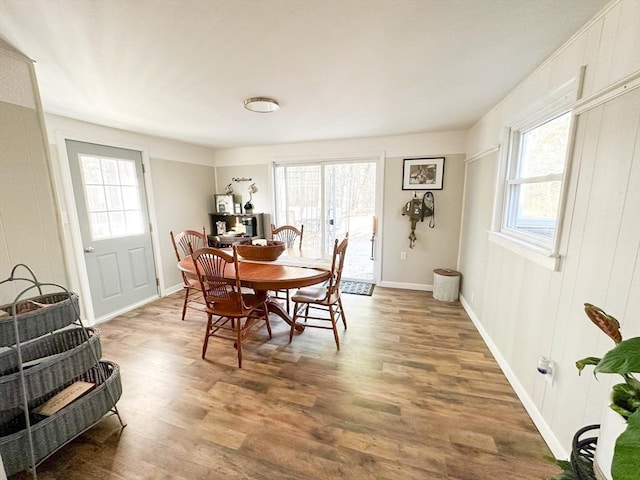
<point>407,286</point>
<point>126,309</point>
<point>171,290</point>
<point>556,447</point>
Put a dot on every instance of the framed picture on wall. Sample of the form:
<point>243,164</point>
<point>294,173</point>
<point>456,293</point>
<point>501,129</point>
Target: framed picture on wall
<point>423,173</point>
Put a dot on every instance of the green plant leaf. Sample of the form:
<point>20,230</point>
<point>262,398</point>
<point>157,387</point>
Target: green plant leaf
<point>623,358</point>
<point>580,364</point>
<point>626,455</point>
<point>626,398</point>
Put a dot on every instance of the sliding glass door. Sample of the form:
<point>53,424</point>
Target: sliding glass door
<point>330,199</point>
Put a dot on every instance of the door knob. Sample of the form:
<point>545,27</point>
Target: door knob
<point>89,249</point>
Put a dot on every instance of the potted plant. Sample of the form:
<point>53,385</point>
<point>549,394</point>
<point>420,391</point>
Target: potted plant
<point>623,359</point>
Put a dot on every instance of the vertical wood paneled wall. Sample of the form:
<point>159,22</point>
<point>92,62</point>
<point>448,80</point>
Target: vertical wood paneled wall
<point>525,310</point>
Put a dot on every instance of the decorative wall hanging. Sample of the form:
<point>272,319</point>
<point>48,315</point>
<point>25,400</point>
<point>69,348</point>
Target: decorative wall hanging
<point>417,209</point>
<point>423,173</point>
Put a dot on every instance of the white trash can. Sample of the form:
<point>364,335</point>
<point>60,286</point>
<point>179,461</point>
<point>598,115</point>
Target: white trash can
<point>446,284</point>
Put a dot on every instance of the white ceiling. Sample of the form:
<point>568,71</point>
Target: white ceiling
<point>339,69</point>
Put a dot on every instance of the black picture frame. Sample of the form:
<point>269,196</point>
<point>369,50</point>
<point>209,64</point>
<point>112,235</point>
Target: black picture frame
<point>423,173</point>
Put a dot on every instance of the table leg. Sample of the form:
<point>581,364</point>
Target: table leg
<point>275,307</point>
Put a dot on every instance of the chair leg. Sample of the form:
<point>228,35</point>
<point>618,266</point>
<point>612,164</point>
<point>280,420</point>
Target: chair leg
<point>287,301</point>
<point>333,326</point>
<point>239,341</point>
<point>206,336</point>
<point>186,300</point>
<point>293,322</point>
<point>344,319</point>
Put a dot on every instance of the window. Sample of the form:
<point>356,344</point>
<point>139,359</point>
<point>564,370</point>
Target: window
<point>533,191</point>
<point>533,169</point>
<point>112,197</point>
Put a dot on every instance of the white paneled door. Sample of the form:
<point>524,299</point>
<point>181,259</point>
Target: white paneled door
<point>330,199</point>
<point>108,185</point>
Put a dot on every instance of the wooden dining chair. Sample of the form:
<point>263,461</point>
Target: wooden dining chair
<point>289,235</point>
<point>191,286</point>
<point>231,314</point>
<point>310,302</point>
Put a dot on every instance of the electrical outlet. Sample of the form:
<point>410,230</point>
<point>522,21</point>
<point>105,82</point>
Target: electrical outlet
<point>547,368</point>
<point>403,255</point>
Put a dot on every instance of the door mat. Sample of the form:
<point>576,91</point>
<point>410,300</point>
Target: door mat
<point>357,288</point>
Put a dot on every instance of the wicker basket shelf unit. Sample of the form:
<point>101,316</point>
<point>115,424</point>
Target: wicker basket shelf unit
<point>44,348</point>
<point>37,316</point>
<point>64,354</point>
<point>50,433</point>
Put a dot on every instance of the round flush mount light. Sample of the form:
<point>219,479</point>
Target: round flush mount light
<point>261,104</point>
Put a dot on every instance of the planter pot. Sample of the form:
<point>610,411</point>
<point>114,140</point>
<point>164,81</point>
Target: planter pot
<point>611,426</point>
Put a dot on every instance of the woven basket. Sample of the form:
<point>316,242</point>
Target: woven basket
<point>61,310</point>
<point>73,356</point>
<point>265,253</point>
<point>54,431</point>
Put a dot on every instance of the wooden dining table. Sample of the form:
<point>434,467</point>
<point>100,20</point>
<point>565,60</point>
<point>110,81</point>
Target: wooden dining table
<point>291,270</point>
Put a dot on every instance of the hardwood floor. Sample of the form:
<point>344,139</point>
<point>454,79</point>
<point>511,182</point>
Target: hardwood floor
<point>413,394</point>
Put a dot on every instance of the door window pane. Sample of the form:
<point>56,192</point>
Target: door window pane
<point>95,198</point>
<point>330,199</point>
<point>110,171</point>
<point>299,201</point>
<point>128,173</point>
<point>91,170</point>
<point>112,197</point>
<point>130,198</point>
<point>99,224</point>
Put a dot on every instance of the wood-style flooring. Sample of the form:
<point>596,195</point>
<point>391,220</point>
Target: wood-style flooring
<point>413,394</point>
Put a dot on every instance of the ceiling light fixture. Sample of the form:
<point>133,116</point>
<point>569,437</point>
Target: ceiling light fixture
<point>261,104</point>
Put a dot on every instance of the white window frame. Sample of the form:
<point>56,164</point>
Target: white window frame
<point>534,247</point>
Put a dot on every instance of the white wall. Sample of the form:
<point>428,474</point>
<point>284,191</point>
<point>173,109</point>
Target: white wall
<point>259,174</point>
<point>525,310</point>
<point>29,224</point>
<point>182,193</point>
<point>436,247</point>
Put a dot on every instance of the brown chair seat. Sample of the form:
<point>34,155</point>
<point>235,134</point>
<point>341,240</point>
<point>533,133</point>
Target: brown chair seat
<point>314,295</point>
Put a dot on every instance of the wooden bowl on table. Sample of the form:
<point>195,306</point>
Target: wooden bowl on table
<point>264,253</point>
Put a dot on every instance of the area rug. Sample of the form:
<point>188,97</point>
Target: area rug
<point>356,288</point>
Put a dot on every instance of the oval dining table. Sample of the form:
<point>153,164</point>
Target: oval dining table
<point>265,276</point>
